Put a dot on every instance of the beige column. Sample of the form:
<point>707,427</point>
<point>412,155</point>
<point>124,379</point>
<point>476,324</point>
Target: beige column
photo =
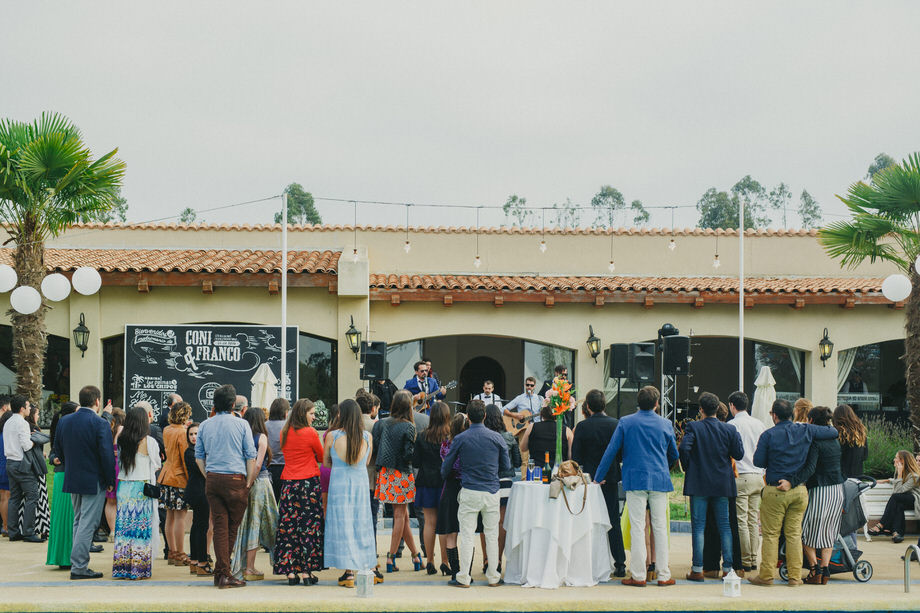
<point>821,380</point>
<point>353,293</point>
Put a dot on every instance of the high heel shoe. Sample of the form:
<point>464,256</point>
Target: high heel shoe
<point>417,562</point>
<point>445,569</point>
<point>378,576</point>
<point>391,563</point>
<point>347,580</point>
<point>876,531</point>
<point>293,580</point>
<point>430,569</point>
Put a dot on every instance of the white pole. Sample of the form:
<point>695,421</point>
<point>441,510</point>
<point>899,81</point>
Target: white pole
<point>284,223</point>
<point>740,294</point>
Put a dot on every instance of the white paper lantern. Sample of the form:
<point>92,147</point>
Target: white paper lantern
<point>55,287</point>
<point>25,299</point>
<point>896,287</point>
<point>917,264</point>
<point>8,278</point>
<point>86,280</point>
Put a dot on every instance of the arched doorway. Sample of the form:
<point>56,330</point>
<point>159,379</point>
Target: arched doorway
<point>477,370</point>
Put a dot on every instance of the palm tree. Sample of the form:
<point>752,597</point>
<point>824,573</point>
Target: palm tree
<point>885,225</point>
<point>48,180</point>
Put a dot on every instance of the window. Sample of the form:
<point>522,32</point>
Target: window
<point>318,372</point>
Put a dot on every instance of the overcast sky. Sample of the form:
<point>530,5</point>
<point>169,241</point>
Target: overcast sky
<point>213,103</point>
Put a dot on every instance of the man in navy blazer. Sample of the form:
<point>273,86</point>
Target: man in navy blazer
<point>592,435</point>
<point>421,383</point>
<point>706,453</point>
<point>83,442</point>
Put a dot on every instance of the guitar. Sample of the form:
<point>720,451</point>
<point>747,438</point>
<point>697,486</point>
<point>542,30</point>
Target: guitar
<point>421,402</point>
<point>516,426</point>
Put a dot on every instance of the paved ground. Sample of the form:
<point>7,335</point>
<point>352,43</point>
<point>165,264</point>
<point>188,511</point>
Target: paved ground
<point>27,585</point>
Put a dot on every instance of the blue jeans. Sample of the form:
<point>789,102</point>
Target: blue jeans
<point>698,507</point>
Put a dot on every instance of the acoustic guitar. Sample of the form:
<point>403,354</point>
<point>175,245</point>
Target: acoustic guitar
<point>421,402</point>
<point>517,426</point>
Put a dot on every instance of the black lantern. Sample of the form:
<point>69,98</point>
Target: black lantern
<point>594,344</point>
<point>826,347</point>
<point>353,336</point>
<point>81,336</point>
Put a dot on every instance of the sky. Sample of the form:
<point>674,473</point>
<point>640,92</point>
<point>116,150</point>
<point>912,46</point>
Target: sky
<point>465,103</point>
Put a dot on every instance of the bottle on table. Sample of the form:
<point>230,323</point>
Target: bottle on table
<point>547,469</point>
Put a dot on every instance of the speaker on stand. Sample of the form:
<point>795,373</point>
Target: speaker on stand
<point>619,366</point>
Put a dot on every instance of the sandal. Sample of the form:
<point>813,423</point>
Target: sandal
<point>897,537</point>
<point>876,531</point>
<point>348,579</point>
<point>204,570</point>
<point>251,574</point>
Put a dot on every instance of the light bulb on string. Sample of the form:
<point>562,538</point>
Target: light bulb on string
<point>672,245</point>
<point>611,266</point>
<point>354,255</point>
<point>542,246</point>
<point>543,234</point>
<point>715,261</point>
<point>407,247</point>
<point>477,262</point>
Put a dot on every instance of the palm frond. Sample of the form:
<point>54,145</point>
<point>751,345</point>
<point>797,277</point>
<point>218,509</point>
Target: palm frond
<point>855,241</point>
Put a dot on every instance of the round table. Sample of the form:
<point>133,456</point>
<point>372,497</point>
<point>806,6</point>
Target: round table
<point>549,546</point>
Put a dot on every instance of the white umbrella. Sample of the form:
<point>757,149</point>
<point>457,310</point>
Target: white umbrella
<point>764,396</point>
<point>264,391</point>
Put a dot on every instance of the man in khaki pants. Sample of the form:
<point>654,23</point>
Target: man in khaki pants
<point>782,451</point>
<point>749,480</point>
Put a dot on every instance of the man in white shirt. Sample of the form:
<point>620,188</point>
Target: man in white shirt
<point>749,480</point>
<point>488,395</point>
<point>528,401</point>
<point>23,482</point>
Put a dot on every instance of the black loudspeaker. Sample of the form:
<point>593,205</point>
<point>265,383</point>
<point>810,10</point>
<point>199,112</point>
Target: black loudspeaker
<point>641,361</point>
<point>676,349</point>
<point>619,361</point>
<point>373,360</point>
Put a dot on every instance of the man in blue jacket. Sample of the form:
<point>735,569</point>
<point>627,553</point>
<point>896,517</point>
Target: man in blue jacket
<point>706,453</point>
<point>649,448</point>
<point>83,442</point>
<point>424,383</point>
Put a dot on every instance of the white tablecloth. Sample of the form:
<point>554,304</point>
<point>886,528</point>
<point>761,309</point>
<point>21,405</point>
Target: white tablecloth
<point>547,546</point>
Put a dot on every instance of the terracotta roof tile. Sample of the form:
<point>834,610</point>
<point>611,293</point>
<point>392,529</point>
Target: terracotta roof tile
<point>779,285</point>
<point>622,231</point>
<point>184,260</point>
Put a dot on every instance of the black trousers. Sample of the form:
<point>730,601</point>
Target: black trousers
<point>275,471</point>
<point>198,533</point>
<point>614,535</point>
<point>893,517</point>
<point>712,543</point>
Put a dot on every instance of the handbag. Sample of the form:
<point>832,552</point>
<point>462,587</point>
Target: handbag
<point>569,477</point>
<point>151,490</point>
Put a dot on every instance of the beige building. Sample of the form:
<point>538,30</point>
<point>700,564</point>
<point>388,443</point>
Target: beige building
<point>514,315</point>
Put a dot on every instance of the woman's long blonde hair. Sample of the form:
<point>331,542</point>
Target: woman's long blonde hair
<point>909,463</point>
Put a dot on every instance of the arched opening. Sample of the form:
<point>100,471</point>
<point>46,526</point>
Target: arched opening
<point>477,370</point>
<point>55,374</point>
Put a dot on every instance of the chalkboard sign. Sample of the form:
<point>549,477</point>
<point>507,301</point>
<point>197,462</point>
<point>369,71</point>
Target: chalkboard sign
<point>194,360</point>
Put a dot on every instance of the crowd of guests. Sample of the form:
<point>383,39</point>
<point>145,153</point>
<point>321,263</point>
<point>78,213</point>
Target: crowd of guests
<point>312,501</point>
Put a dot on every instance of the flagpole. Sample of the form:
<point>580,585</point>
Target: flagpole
<point>284,249</point>
<point>740,294</point>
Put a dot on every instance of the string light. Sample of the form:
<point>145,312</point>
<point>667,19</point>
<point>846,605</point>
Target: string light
<point>543,234</point>
<point>477,262</point>
<point>611,266</point>
<point>715,260</point>
<point>672,245</point>
<point>354,252</point>
<point>408,245</point>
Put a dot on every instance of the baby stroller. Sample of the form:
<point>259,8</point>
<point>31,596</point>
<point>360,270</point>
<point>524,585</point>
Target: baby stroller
<point>844,560</point>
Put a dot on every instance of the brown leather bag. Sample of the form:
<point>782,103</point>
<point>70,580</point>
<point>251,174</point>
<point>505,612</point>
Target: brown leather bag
<point>569,477</point>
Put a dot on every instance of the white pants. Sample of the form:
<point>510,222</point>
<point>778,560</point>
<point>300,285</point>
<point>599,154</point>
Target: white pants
<point>658,507</point>
<point>472,503</point>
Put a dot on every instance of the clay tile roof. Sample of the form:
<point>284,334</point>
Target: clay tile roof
<point>184,260</point>
<point>643,231</point>
<point>802,285</point>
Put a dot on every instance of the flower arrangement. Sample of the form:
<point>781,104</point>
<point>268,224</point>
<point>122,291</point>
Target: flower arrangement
<point>559,398</point>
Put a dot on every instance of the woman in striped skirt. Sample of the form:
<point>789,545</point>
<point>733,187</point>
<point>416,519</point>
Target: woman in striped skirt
<point>824,481</point>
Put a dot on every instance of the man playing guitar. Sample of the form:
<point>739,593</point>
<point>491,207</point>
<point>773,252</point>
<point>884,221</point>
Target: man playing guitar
<point>422,386</point>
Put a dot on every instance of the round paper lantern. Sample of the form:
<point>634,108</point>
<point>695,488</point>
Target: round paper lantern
<point>8,278</point>
<point>896,287</point>
<point>25,299</point>
<point>917,264</point>
<point>55,287</point>
<point>86,280</point>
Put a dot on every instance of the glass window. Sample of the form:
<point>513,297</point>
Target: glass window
<point>786,365</point>
<point>540,360</point>
<point>401,359</point>
<point>318,372</point>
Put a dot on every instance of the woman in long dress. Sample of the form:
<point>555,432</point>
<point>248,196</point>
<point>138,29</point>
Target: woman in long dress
<point>260,520</point>
<point>136,517</point>
<point>349,539</point>
<point>299,540</point>
<point>42,509</point>
<point>60,541</point>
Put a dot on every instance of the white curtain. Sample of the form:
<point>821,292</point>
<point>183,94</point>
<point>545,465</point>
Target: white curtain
<point>845,361</point>
<point>795,356</point>
<point>610,385</point>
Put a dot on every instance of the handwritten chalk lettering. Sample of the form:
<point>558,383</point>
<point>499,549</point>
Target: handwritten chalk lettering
<point>198,337</point>
<point>216,354</point>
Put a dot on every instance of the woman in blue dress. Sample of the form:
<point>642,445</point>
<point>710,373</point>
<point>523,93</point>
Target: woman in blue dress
<point>349,541</point>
